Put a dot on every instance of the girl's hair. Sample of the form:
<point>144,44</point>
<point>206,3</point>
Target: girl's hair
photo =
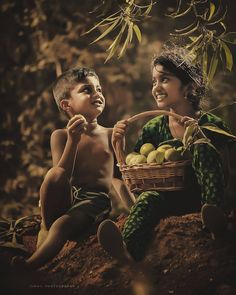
<point>66,82</point>
<point>180,62</point>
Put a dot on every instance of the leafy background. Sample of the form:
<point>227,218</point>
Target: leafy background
<point>39,38</point>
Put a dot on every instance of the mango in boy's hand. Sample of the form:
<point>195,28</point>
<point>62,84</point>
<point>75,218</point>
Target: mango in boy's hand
<point>85,123</point>
<point>129,157</point>
<point>146,148</point>
<point>172,155</point>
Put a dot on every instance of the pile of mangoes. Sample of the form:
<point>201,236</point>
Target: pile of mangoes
<point>164,153</point>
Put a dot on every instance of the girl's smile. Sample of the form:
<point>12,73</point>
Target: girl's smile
<point>168,91</point>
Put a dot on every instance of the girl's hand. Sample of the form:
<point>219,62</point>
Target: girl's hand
<point>75,127</point>
<point>187,121</point>
<point>119,131</point>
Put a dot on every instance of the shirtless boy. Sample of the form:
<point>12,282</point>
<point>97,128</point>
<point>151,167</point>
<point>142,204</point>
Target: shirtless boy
<point>74,193</point>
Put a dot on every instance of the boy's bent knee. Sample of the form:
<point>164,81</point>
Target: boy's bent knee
<point>63,225</point>
<point>56,175</point>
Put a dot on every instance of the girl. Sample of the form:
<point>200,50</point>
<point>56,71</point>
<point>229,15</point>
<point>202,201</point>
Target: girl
<point>178,86</point>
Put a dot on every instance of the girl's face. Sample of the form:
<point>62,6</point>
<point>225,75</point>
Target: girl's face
<point>167,89</point>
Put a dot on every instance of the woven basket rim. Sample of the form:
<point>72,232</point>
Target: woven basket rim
<point>155,165</point>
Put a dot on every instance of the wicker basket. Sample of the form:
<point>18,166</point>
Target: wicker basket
<point>168,176</point>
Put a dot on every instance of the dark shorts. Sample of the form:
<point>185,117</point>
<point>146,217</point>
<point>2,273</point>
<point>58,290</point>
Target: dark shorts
<point>93,203</point>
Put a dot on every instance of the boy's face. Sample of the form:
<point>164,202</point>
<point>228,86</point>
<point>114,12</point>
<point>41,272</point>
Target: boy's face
<point>167,89</point>
<point>86,98</point>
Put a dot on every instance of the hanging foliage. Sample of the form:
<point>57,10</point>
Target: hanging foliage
<point>125,22</point>
<point>207,35</point>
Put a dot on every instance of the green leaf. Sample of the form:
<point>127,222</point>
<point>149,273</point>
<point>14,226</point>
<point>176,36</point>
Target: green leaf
<point>138,33</point>
<point>188,28</point>
<point>188,134</point>
<point>224,27</point>
<point>202,140</point>
<point>204,61</point>
<point>110,28</point>
<point>218,20</point>
<point>216,129</point>
<point>173,15</point>
<point>188,32</point>
<point>196,42</point>
<point>212,10</point>
<point>107,19</point>
<point>148,10</point>
<point>229,37</point>
<point>113,47</point>
<point>228,56</point>
<point>131,25</point>
<point>127,40</point>
<point>213,65</point>
<point>178,7</point>
<point>124,47</point>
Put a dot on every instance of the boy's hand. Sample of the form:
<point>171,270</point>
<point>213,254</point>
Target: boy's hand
<point>119,131</point>
<point>75,127</point>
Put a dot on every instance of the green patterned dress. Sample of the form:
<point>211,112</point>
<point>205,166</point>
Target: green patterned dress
<point>206,183</point>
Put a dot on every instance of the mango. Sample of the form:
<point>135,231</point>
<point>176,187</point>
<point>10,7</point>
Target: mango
<point>146,148</point>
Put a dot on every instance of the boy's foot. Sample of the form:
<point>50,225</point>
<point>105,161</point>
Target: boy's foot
<point>110,238</point>
<point>214,220</point>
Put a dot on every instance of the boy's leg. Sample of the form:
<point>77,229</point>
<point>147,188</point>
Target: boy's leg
<point>61,230</point>
<point>208,167</point>
<point>42,235</point>
<point>110,238</point>
<point>150,207</point>
<point>55,199</point>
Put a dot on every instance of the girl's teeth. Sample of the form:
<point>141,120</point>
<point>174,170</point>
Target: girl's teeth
<point>160,96</point>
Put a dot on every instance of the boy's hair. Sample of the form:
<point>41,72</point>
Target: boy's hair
<point>180,62</point>
<point>66,82</point>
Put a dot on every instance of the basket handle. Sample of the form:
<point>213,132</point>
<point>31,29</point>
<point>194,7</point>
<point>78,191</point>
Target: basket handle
<point>119,151</point>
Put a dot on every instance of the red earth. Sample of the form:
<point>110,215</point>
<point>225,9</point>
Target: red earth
<point>182,259</point>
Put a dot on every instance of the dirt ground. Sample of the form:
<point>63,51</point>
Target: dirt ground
<point>182,259</point>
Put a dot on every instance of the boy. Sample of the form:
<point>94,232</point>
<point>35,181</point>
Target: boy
<point>74,193</point>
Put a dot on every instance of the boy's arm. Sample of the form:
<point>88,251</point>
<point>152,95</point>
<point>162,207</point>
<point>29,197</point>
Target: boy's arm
<point>64,144</point>
<point>63,151</point>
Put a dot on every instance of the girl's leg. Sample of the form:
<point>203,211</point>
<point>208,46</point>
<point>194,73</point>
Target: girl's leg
<point>209,171</point>
<point>208,167</point>
<point>150,207</point>
<point>61,230</point>
<point>55,199</point>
